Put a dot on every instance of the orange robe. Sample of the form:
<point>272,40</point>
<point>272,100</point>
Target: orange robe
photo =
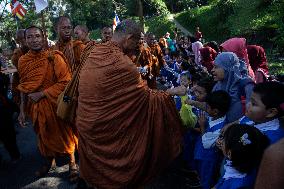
<point>72,51</point>
<point>47,72</point>
<point>128,133</point>
<point>145,58</point>
<point>159,60</point>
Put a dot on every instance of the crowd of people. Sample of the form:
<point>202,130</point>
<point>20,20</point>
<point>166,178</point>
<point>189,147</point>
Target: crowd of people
<point>142,103</point>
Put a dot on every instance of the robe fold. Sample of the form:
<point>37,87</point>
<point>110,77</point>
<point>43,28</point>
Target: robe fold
<point>72,51</point>
<point>128,133</point>
<point>47,72</point>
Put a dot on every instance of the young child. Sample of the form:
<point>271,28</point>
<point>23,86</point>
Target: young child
<point>206,156</point>
<point>187,116</point>
<point>243,147</point>
<point>266,107</point>
<point>199,93</point>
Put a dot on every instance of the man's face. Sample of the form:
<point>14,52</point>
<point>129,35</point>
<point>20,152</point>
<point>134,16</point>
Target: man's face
<point>79,34</point>
<point>64,30</point>
<point>151,39</point>
<point>106,34</point>
<point>34,39</point>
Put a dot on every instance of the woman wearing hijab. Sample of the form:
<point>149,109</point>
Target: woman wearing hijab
<point>208,56</point>
<point>228,76</point>
<point>195,48</point>
<point>238,46</point>
<point>258,63</point>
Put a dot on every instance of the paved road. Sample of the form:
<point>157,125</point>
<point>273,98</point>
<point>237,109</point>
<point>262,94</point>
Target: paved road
<point>21,174</point>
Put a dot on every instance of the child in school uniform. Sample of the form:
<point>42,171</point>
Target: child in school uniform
<point>243,147</point>
<point>266,107</point>
<point>188,118</point>
<point>206,156</point>
<point>199,93</point>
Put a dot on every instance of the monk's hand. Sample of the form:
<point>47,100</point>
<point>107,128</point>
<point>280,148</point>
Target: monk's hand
<point>22,119</point>
<point>37,96</point>
<point>190,102</point>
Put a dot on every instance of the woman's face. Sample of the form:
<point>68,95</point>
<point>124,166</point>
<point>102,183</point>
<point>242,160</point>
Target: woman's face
<point>218,73</point>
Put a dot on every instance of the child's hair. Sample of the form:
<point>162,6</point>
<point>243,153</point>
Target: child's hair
<point>272,95</point>
<point>185,66</point>
<point>219,100</point>
<point>207,83</point>
<point>246,145</point>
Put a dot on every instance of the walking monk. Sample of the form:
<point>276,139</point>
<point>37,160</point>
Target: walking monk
<point>43,76</point>
<point>128,133</point>
<point>18,52</point>
<point>71,49</point>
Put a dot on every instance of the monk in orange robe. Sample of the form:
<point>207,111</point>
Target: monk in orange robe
<point>106,34</point>
<point>128,133</point>
<point>18,52</point>
<point>144,60</point>
<point>43,76</point>
<point>81,33</point>
<point>72,49</point>
<point>157,52</point>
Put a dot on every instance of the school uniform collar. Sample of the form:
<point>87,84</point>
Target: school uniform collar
<point>212,123</point>
<point>268,126</point>
<point>231,172</point>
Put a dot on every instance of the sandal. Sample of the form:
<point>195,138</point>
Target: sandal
<point>73,173</point>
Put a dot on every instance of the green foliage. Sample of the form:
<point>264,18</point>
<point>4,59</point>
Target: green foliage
<point>159,25</point>
<point>223,19</point>
<point>150,7</point>
<point>95,34</point>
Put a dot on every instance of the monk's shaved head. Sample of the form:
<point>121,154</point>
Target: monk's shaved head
<point>127,34</point>
<point>64,29</point>
<point>82,28</point>
<point>128,27</point>
<point>62,19</point>
<point>106,34</point>
<point>20,33</point>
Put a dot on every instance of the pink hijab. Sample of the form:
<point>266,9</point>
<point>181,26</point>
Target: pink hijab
<point>238,46</point>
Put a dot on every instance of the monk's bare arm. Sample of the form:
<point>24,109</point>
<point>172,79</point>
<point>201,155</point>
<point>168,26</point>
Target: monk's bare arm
<point>199,105</point>
<point>22,116</point>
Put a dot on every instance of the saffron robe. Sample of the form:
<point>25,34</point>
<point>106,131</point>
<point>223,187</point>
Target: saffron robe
<point>72,51</point>
<point>128,133</point>
<point>47,72</point>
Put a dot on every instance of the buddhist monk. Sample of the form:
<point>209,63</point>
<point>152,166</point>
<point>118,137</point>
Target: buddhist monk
<point>144,61</point>
<point>43,76</point>
<point>18,52</point>
<point>128,133</point>
<point>155,50</point>
<point>82,34</point>
<point>71,49</point>
<point>106,34</point>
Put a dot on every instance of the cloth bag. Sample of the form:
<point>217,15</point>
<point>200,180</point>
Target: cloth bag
<point>67,100</point>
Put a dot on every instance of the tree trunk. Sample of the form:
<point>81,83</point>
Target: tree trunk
<point>140,13</point>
